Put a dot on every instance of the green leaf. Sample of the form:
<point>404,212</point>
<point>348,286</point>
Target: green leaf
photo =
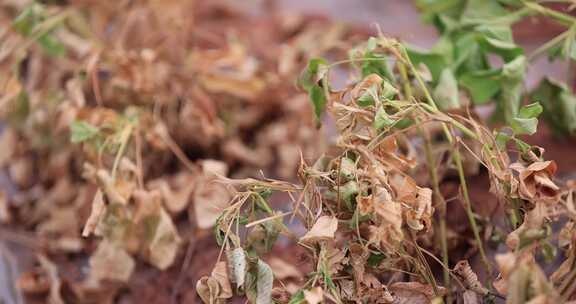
<point>512,84</point>
<point>297,298</point>
<point>435,62</point>
<point>51,45</point>
<point>440,10</point>
<point>348,192</point>
<point>388,91</point>
<point>559,106</point>
<point>81,131</point>
<point>264,281</point>
<point>27,22</point>
<point>381,119</point>
<point>482,85</point>
<point>446,92</point>
<point>469,57</point>
<point>347,168</point>
<point>374,63</point>
<point>369,96</point>
<point>478,11</point>
<point>308,78</point>
<point>501,139</point>
<point>527,120</point>
<point>318,99</point>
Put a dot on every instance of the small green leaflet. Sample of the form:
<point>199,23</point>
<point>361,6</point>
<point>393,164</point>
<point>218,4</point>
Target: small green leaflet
<point>512,85</point>
<point>559,106</point>
<point>446,92</point>
<point>309,81</point>
<point>481,85</point>
<point>527,120</point>
<point>297,298</point>
<point>81,131</point>
<point>28,23</point>
<point>374,63</point>
<point>381,119</point>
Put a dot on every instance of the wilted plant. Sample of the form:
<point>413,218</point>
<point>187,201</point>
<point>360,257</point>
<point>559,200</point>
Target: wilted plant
<point>371,227</point>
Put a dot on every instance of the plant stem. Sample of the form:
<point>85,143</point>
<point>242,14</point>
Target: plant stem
<point>559,17</point>
<point>468,207</point>
<point>457,159</point>
<point>435,185</point>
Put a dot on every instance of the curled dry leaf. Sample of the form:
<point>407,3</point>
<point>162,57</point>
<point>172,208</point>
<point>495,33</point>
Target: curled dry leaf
<point>324,229</point>
<point>469,277</point>
<point>536,181</point>
<point>220,274</point>
<point>98,210</point>
<point>419,215</point>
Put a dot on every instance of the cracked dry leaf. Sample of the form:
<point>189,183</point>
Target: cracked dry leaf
<point>324,229</point>
<point>536,181</point>
<point>110,262</point>
<point>314,295</point>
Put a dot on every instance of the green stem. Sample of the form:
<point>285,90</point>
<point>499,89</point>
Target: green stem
<point>468,207</point>
<point>559,17</point>
<point>435,185</point>
<point>457,159</point>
